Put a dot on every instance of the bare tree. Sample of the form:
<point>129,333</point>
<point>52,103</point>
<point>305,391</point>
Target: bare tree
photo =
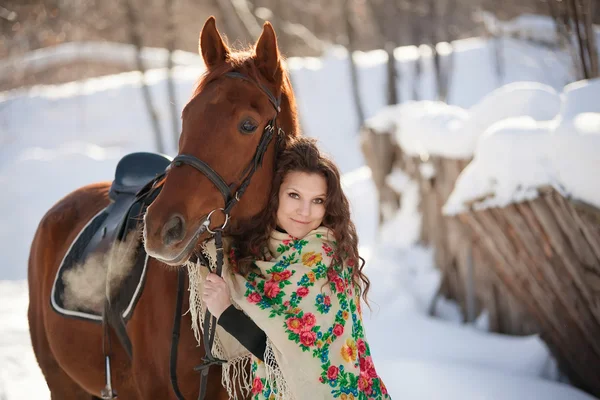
<point>286,29</point>
<point>351,40</point>
<point>136,40</point>
<point>385,15</point>
<point>171,37</point>
<point>244,11</point>
<point>233,29</point>
<point>590,36</point>
<point>443,66</point>
<point>574,25</point>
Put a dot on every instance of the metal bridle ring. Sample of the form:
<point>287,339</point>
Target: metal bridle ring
<point>207,220</point>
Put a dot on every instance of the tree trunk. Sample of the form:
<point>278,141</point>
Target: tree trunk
<point>247,18</point>
<point>385,19</point>
<point>590,34</point>
<point>136,40</point>
<point>171,37</point>
<point>351,39</point>
<point>233,26</point>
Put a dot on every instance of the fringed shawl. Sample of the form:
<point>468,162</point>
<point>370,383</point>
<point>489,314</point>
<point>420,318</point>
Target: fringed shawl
<point>316,345</point>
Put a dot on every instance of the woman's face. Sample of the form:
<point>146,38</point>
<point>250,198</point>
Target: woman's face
<point>301,203</point>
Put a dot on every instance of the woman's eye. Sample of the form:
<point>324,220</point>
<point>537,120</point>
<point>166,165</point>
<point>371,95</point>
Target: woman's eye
<point>248,126</point>
<point>319,201</point>
<point>294,195</point>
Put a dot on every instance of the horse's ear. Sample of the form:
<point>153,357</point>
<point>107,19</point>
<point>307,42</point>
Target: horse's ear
<point>212,48</point>
<point>267,53</point>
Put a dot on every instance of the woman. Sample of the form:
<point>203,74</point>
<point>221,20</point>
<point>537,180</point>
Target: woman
<point>297,278</point>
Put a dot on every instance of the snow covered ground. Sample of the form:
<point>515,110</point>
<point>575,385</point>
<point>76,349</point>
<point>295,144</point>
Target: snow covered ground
<point>55,139</point>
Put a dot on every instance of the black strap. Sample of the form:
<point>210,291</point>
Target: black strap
<point>254,164</point>
<point>210,327</point>
<point>275,101</point>
<point>205,169</point>
<point>175,336</point>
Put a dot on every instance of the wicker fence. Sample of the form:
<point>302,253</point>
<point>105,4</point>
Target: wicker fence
<point>533,266</point>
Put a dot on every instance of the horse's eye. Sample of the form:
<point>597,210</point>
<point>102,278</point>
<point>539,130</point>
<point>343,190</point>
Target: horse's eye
<point>248,126</point>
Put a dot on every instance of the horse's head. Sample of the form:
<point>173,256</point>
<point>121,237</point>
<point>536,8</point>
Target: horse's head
<point>242,95</point>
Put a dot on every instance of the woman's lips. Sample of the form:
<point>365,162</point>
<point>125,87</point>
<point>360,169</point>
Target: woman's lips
<point>300,222</point>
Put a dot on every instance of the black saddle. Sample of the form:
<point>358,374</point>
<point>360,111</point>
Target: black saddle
<point>112,225</point>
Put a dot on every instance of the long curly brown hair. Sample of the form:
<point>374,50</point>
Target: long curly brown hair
<point>303,155</point>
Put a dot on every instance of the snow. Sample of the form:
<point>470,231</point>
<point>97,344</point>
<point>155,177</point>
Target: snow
<point>120,54</point>
<point>517,156</point>
<point>55,139</point>
<point>436,128</point>
<point>424,127</point>
<point>576,142</point>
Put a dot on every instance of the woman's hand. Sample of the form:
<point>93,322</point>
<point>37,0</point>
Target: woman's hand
<point>216,295</point>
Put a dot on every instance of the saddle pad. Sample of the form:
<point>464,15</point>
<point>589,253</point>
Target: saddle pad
<point>93,279</point>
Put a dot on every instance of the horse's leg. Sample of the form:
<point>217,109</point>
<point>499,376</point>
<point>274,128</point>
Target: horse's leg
<point>60,384</point>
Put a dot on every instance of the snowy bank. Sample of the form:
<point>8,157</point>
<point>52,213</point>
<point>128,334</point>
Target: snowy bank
<point>119,54</point>
<point>517,156</point>
<point>435,128</point>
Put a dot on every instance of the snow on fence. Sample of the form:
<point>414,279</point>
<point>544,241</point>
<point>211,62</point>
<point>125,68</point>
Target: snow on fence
<point>511,209</point>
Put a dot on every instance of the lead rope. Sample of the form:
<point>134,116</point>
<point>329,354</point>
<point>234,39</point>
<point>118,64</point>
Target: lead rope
<point>209,327</point>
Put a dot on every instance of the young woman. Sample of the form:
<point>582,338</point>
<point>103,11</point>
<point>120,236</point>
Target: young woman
<point>292,292</point>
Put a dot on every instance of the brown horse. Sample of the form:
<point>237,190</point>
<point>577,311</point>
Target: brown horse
<point>222,126</point>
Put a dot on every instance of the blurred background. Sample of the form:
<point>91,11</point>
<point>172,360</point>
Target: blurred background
<point>468,133</point>
<point>304,28</point>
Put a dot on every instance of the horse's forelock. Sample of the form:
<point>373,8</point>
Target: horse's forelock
<point>243,62</point>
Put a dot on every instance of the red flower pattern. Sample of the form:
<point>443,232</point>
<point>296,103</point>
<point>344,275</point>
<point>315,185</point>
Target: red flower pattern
<point>332,372</point>
<point>308,320</point>
<point>271,289</point>
<point>338,330</point>
<point>367,367</point>
<point>254,297</point>
<point>308,338</point>
<point>361,346</point>
<point>365,383</point>
<point>295,324</point>
<point>257,385</point>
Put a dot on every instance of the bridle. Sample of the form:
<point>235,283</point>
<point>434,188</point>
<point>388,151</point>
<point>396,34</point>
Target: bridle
<point>230,198</point>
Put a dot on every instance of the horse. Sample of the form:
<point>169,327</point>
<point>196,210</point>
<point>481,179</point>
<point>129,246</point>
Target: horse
<point>223,127</point>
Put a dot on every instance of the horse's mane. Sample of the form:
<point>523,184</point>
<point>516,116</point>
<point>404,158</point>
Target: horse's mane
<point>242,61</point>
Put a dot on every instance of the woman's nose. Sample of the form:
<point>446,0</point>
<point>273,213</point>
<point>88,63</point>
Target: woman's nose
<point>304,209</point>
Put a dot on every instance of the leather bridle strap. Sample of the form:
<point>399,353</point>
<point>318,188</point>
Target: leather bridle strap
<point>205,169</point>
<point>209,327</point>
<point>210,322</point>
<point>275,101</point>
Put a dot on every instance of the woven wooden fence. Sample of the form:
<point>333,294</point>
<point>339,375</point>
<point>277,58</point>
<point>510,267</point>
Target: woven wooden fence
<point>547,253</point>
<point>532,266</point>
<point>466,275</point>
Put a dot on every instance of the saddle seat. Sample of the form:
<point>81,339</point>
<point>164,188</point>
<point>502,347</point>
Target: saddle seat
<point>110,226</point>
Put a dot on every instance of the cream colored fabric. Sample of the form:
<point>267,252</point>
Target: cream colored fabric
<point>316,348</point>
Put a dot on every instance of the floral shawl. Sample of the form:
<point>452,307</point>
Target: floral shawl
<point>316,346</point>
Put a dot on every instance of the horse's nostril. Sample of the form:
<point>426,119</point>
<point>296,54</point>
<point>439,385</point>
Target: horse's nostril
<point>174,230</point>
